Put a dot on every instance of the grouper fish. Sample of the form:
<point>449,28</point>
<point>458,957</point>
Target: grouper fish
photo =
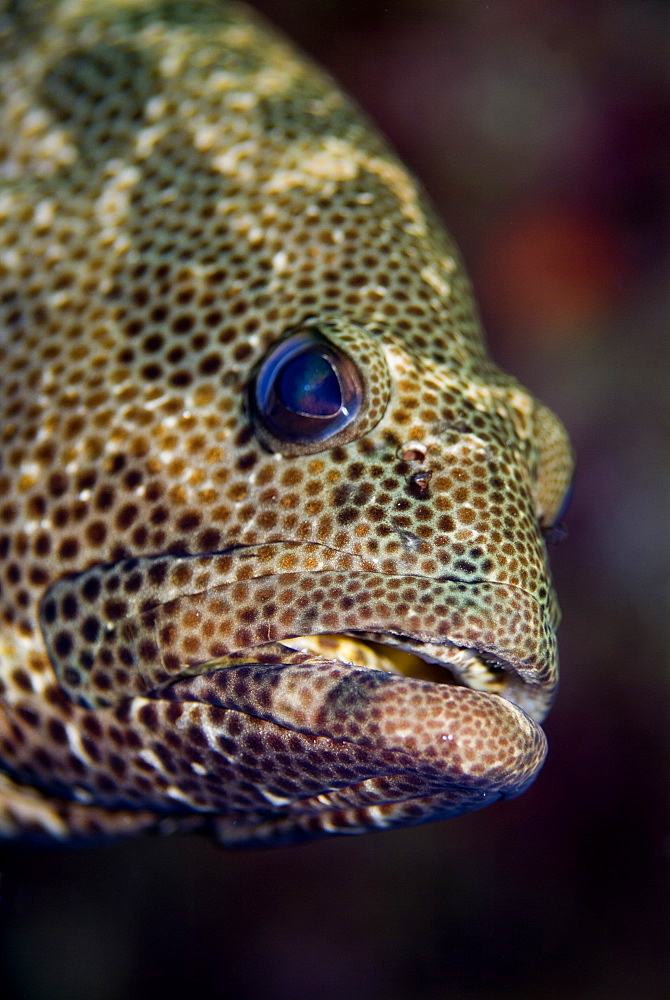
<point>272,523</point>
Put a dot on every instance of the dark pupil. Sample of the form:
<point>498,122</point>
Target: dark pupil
<point>308,385</point>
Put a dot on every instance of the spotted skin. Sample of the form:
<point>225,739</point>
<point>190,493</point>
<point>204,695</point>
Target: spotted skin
<point>178,192</point>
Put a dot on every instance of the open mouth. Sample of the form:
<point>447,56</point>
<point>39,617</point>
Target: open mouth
<point>457,666</point>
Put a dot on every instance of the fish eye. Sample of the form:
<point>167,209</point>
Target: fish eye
<point>306,390</point>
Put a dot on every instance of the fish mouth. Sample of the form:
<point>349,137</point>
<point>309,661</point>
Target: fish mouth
<point>374,651</point>
<point>425,663</point>
<point>400,737</point>
<point>162,621</point>
<point>371,698</point>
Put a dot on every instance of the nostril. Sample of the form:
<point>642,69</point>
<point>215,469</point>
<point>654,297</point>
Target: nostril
<point>412,451</point>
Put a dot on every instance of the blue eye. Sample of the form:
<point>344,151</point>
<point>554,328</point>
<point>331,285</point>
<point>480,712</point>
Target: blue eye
<point>305,391</point>
<point>308,385</point>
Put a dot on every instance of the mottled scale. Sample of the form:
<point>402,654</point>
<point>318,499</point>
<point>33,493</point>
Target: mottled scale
<point>185,203</point>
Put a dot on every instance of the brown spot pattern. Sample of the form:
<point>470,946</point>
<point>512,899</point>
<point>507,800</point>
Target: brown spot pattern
<point>180,192</point>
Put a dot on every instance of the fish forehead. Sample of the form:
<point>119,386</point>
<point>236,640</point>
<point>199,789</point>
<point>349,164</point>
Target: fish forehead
<point>179,193</point>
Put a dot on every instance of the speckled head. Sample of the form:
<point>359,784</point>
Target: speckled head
<point>252,448</point>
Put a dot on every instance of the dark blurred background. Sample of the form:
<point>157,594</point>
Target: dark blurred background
<point>542,132</point>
